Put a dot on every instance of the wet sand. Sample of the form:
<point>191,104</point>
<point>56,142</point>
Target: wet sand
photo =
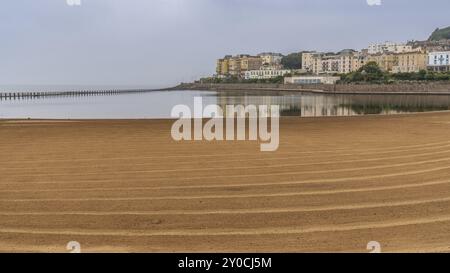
<point>125,186</point>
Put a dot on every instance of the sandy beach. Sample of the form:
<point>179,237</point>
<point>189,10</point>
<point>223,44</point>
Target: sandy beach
<point>334,185</point>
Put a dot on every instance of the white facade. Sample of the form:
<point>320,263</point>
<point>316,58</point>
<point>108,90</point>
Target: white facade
<point>311,80</point>
<point>389,47</point>
<point>439,58</point>
<point>325,63</point>
<point>341,63</point>
<point>265,74</point>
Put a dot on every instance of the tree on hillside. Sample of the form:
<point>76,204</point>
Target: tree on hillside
<point>292,61</point>
<point>371,68</point>
<point>370,72</point>
<point>440,34</point>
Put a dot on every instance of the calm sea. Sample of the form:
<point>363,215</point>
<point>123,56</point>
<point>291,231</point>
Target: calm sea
<point>159,104</point>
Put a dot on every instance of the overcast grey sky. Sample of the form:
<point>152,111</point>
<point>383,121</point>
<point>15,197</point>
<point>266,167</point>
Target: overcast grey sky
<point>163,42</point>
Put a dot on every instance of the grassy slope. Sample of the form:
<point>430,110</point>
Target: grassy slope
<point>440,34</point>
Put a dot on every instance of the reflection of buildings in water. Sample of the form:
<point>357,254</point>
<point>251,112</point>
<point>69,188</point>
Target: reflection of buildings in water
<point>318,105</point>
<point>394,104</point>
<point>305,105</point>
<point>286,103</point>
<point>325,105</point>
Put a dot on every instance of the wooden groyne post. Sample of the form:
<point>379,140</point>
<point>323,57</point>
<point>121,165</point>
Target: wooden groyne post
<point>36,94</point>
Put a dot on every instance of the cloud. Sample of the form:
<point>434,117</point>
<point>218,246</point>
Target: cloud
<point>163,42</point>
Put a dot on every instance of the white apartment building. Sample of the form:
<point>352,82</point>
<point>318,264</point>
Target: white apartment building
<point>325,63</point>
<point>439,61</point>
<point>311,80</point>
<point>265,73</point>
<point>331,64</point>
<point>390,47</point>
<point>345,61</point>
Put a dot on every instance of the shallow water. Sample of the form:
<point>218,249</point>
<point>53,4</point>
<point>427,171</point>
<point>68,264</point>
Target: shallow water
<point>159,104</point>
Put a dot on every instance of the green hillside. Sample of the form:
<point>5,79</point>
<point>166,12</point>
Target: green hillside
<point>440,34</point>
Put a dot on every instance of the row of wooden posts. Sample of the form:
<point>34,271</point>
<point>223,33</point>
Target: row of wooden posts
<point>14,95</point>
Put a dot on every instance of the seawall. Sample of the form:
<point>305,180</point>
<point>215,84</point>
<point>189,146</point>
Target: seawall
<point>397,88</point>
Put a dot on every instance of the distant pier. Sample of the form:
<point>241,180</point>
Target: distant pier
<point>5,95</point>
